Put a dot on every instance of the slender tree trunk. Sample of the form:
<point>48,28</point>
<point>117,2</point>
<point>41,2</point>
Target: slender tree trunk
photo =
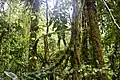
<point>75,41</point>
<point>46,44</point>
<point>94,31</point>
<point>95,36</point>
<point>33,45</point>
<point>85,56</point>
<point>32,59</point>
<point>46,49</point>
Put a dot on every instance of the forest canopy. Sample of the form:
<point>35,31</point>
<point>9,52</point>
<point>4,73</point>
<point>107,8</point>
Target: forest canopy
<point>59,39</point>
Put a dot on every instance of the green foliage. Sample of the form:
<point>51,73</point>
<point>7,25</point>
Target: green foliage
<point>15,42</point>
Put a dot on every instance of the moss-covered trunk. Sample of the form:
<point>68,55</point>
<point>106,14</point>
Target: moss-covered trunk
<point>75,41</point>
<point>94,32</point>
<point>84,47</point>
<point>95,37</point>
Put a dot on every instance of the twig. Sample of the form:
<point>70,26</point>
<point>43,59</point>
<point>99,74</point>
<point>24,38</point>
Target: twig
<point>111,14</point>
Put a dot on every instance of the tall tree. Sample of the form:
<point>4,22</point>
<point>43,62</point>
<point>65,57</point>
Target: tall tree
<point>33,36</point>
<point>75,40</point>
<point>84,47</point>
<point>95,36</point>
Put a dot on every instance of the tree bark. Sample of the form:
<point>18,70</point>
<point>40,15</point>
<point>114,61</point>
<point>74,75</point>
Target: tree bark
<point>94,32</point>
<point>84,46</point>
<point>75,41</point>
<point>95,36</point>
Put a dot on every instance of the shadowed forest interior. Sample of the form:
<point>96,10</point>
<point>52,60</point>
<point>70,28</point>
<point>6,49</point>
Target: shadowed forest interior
<point>59,39</point>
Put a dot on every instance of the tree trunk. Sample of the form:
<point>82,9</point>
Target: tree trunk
<point>33,45</point>
<point>84,46</point>
<point>75,41</point>
<point>94,32</point>
<point>95,36</point>
<point>33,36</point>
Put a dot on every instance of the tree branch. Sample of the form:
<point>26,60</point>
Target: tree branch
<point>111,14</point>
